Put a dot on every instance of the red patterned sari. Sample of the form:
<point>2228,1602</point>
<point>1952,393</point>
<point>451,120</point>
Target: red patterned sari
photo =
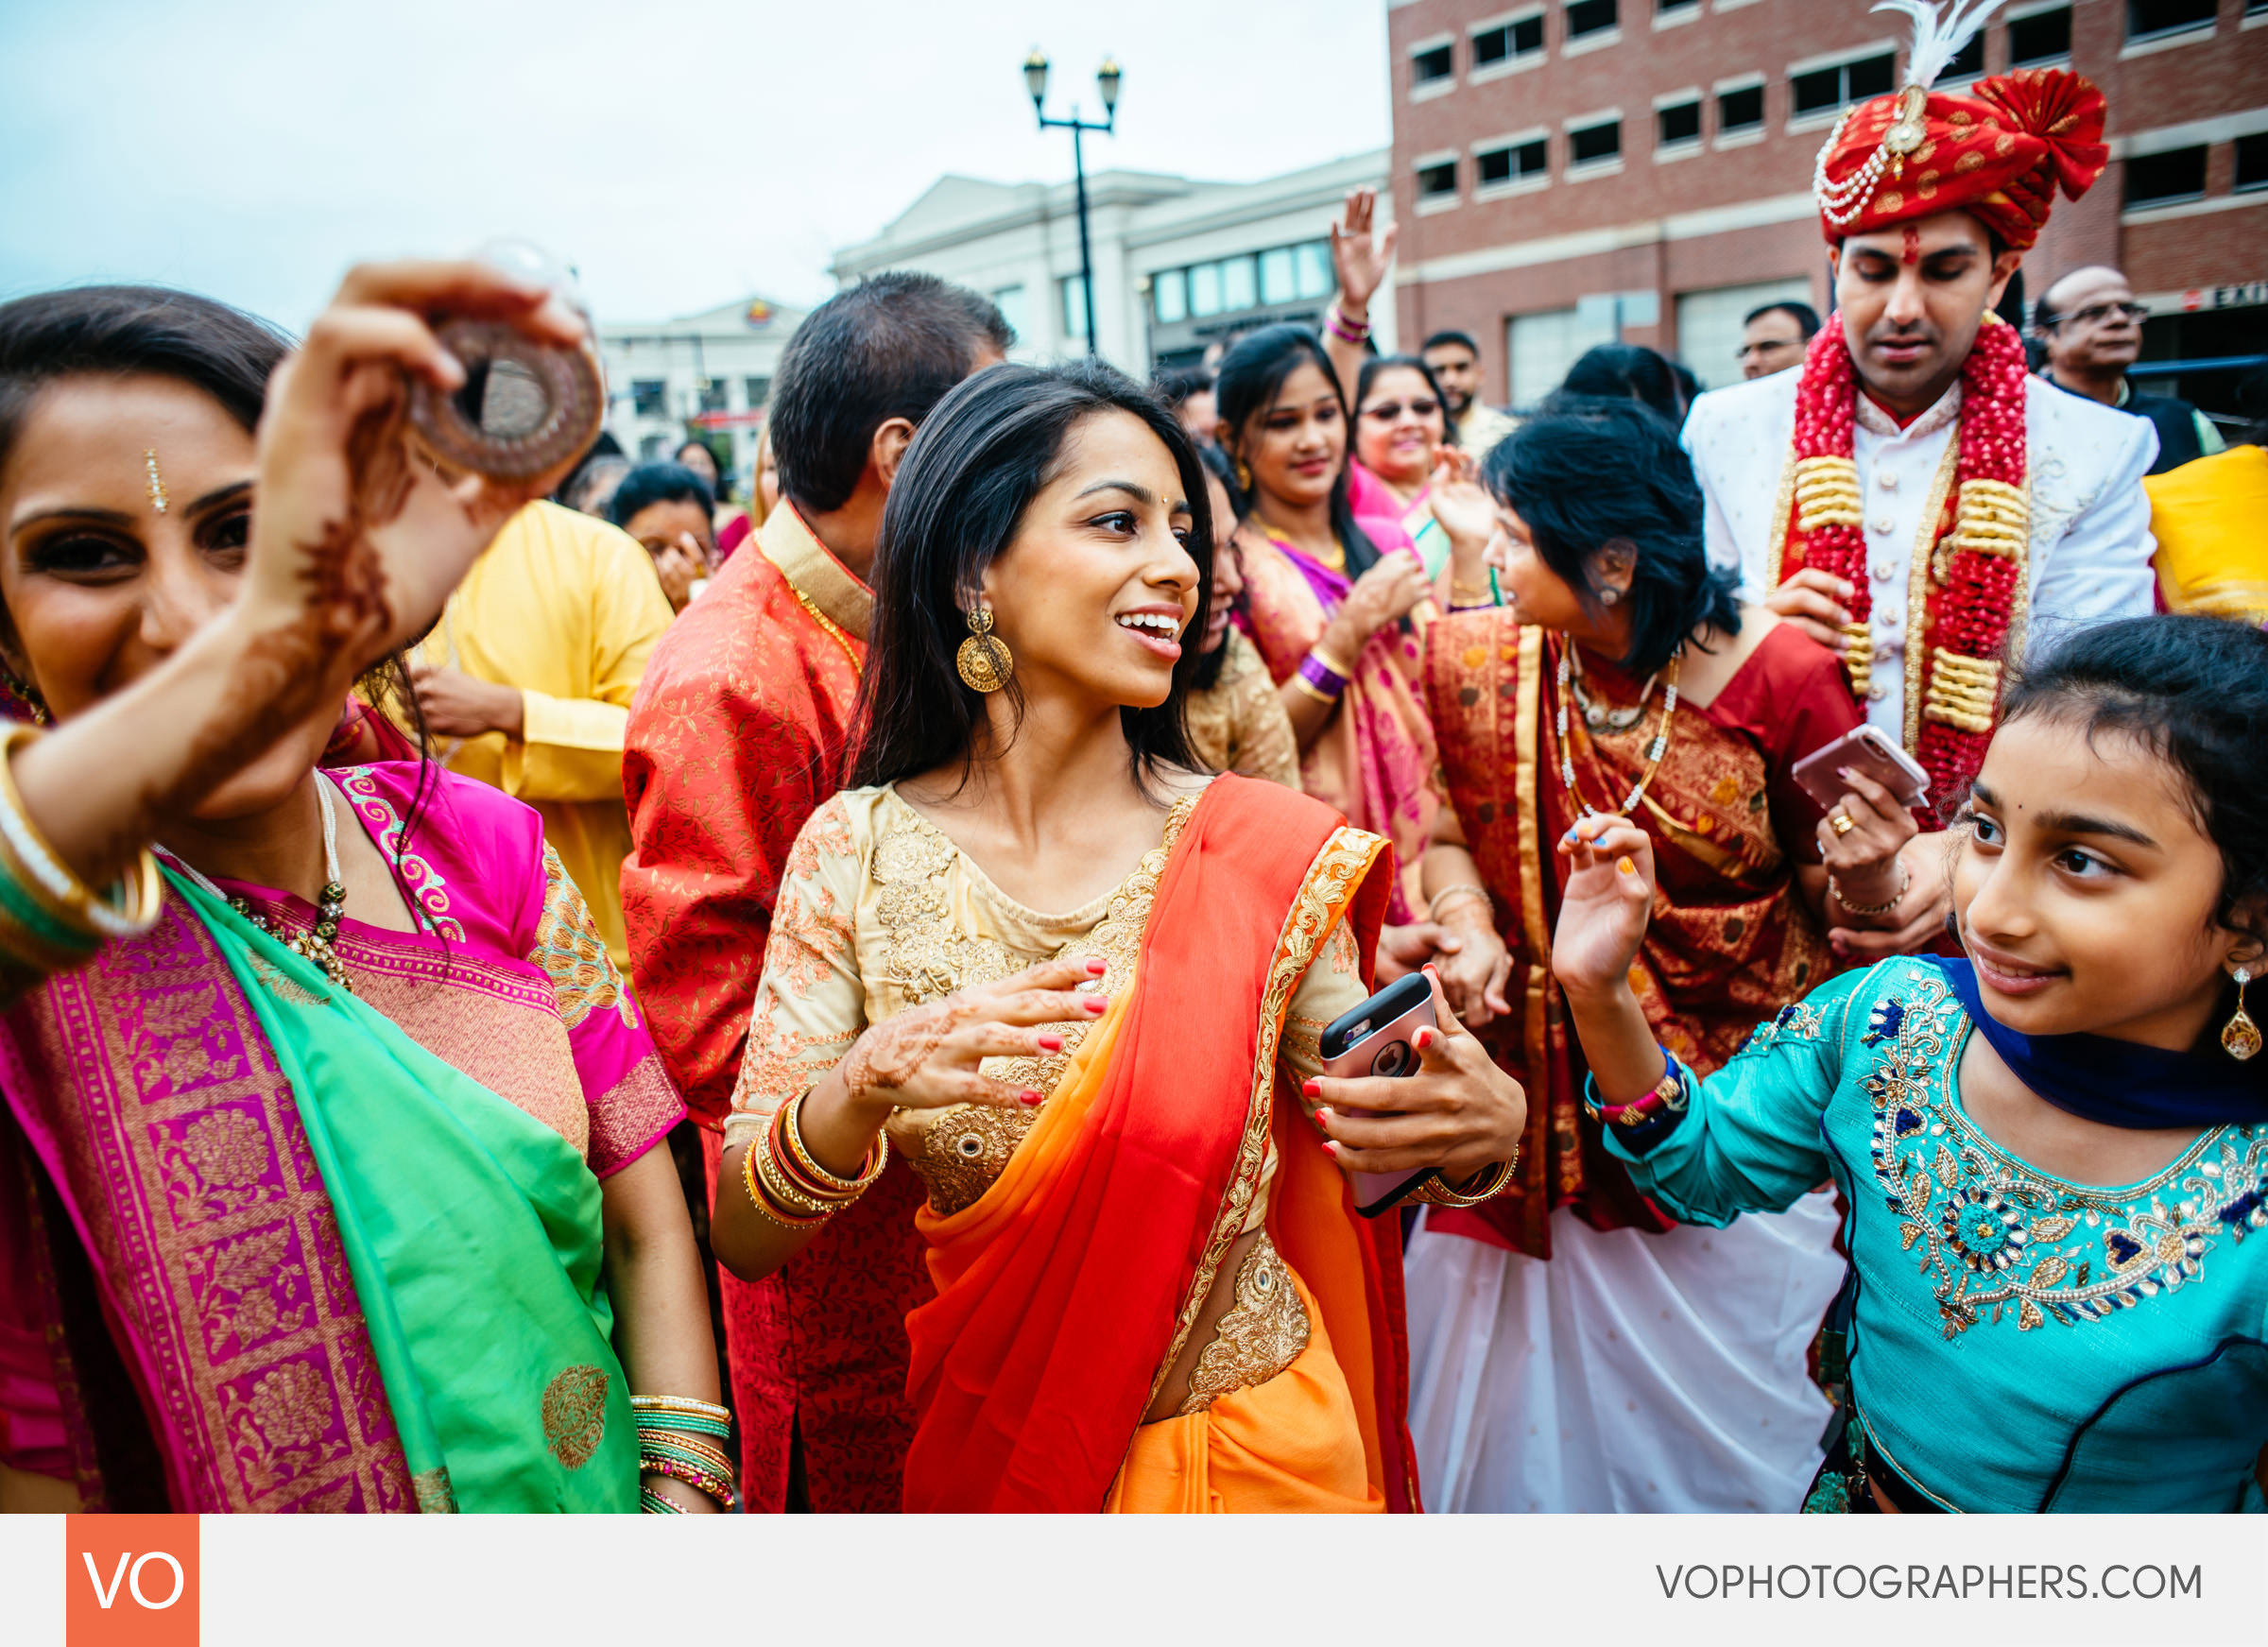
<point>1730,941</point>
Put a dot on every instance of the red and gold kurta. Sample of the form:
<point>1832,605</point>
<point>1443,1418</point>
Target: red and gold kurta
<point>736,737</point>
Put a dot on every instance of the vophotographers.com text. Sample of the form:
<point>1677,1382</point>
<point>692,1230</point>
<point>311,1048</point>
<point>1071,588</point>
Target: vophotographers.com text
<point>1886,1581</point>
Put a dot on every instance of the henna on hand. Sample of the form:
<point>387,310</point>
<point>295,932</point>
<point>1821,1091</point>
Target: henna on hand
<point>890,1054</point>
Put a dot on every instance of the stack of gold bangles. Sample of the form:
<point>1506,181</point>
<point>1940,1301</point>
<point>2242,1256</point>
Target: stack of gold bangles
<point>50,920</point>
<point>685,1439</point>
<point>1486,1184</point>
<point>788,1186</point>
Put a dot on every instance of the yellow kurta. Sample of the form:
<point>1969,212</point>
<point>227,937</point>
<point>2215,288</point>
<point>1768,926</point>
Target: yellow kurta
<point>566,609</point>
<point>2210,519</point>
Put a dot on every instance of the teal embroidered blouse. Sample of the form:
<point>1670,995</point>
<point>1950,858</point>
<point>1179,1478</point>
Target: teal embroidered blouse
<point>2020,1342</point>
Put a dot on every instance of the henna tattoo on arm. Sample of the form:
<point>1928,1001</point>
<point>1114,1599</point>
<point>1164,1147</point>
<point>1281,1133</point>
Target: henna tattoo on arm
<point>889,1055</point>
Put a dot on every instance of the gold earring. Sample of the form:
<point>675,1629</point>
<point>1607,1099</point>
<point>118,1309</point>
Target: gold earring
<point>984,659</point>
<point>1244,476</point>
<point>2240,1036</point>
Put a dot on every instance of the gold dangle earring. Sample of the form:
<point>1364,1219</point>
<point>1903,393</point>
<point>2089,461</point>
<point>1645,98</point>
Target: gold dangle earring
<point>984,659</point>
<point>1244,477</point>
<point>2240,1036</point>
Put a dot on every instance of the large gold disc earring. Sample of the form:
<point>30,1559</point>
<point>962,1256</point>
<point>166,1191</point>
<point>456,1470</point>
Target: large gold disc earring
<point>1244,476</point>
<point>2240,1036</point>
<point>984,659</point>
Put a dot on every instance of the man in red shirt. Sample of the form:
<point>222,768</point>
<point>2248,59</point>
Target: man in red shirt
<point>737,736</point>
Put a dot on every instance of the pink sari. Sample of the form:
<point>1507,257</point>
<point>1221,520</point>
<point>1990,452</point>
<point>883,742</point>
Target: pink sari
<point>179,1328</point>
<point>1374,760</point>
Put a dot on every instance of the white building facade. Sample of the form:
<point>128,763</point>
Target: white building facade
<point>711,372</point>
<point>1178,265</point>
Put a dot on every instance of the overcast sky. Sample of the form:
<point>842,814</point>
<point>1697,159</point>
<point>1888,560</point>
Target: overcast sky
<point>681,153</point>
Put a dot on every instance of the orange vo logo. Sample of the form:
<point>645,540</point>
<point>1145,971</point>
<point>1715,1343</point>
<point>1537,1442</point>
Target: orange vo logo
<point>131,1581</point>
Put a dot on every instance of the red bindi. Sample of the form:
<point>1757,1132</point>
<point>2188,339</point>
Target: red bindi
<point>1913,245</point>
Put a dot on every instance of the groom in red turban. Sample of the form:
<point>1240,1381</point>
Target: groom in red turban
<point>1911,498</point>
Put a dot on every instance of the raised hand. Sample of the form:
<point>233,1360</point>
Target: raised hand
<point>1458,1113</point>
<point>1361,262</point>
<point>1604,906</point>
<point>1383,595</point>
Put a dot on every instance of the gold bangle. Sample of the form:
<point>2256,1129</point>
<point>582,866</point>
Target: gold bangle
<point>748,1168</point>
<point>1329,663</point>
<point>878,1157</point>
<point>692,1406</point>
<point>135,902</point>
<point>1433,904</point>
<point>1491,1182</point>
<point>786,1196</point>
<point>1320,696</point>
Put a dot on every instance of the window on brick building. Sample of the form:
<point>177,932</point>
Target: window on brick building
<point>1839,83</point>
<point>1509,41</point>
<point>2161,179</point>
<point>1742,110</point>
<point>2045,37</point>
<point>1433,64</point>
<point>1679,123</point>
<point>1515,163</point>
<point>1591,144</point>
<point>1671,8</point>
<point>1589,17</point>
<point>1437,181</point>
<point>2252,160</point>
<point>2145,18</point>
<point>649,397</point>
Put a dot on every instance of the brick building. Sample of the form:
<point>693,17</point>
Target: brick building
<point>1571,172</point>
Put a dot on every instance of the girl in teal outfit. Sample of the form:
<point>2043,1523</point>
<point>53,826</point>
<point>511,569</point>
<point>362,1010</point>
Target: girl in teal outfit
<point>2053,1148</point>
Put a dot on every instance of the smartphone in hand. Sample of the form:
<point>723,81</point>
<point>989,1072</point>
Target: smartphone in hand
<point>1376,1039</point>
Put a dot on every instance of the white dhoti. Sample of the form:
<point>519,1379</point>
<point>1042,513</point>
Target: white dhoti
<point>1631,1372</point>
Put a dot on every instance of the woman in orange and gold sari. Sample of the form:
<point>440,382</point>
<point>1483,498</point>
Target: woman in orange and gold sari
<point>1152,1290</point>
<point>1623,678</point>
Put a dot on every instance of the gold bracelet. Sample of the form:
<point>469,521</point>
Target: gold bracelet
<point>1433,904</point>
<point>787,1196</point>
<point>1905,884</point>
<point>1329,663</point>
<point>1486,1184</point>
<point>1320,696</point>
<point>878,1157</point>
<point>757,1198</point>
<point>133,905</point>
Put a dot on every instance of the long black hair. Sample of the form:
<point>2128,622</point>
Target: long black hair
<point>1249,379</point>
<point>2193,691</point>
<point>971,473</point>
<point>1584,473</point>
<point>1209,665</point>
<point>1379,363</point>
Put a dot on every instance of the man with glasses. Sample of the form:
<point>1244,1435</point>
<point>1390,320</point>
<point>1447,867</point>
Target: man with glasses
<point>2092,328</point>
<point>1774,337</point>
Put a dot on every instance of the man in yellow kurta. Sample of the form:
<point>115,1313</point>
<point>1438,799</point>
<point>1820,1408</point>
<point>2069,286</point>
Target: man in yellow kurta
<point>2212,552</point>
<point>527,681</point>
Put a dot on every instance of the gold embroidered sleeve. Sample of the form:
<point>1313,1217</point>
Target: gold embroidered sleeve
<point>1331,986</point>
<point>810,1000</point>
<point>1266,746</point>
<point>572,953</point>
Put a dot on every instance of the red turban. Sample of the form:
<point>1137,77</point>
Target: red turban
<point>1998,153</point>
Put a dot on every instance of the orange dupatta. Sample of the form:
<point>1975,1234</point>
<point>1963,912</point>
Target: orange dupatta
<point>1072,1285</point>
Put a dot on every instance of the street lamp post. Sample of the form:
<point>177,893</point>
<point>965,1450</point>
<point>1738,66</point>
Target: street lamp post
<point>1106,79</point>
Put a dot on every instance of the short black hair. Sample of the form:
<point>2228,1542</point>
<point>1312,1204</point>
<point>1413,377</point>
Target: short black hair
<point>1175,384</point>
<point>1379,363</point>
<point>987,451</point>
<point>1625,371</point>
<point>658,482</point>
<point>1584,473</point>
<point>1463,339</point>
<point>2191,690</point>
<point>1805,317</point>
<point>889,346</point>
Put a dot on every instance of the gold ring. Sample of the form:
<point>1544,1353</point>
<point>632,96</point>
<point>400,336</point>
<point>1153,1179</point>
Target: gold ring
<point>1842,823</point>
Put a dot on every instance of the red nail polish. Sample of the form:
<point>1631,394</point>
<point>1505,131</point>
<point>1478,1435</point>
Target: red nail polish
<point>1095,1003</point>
<point>1096,968</point>
<point>1330,1147</point>
<point>1051,1043</point>
<point>1311,1089</point>
<point>1423,1039</point>
<point>1029,1096</point>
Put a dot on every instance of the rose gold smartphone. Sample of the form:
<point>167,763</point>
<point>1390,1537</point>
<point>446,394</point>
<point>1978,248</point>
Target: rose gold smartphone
<point>1870,749</point>
<point>1375,1038</point>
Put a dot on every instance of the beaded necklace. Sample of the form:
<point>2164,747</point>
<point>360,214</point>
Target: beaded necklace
<point>1974,589</point>
<point>1654,753</point>
<point>1597,716</point>
<point>314,946</point>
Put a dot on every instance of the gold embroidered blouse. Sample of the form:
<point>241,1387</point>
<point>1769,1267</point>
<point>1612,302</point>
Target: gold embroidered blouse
<point>1238,724</point>
<point>879,911</point>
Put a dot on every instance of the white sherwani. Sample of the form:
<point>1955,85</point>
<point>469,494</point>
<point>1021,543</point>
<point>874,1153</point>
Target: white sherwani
<point>2091,548</point>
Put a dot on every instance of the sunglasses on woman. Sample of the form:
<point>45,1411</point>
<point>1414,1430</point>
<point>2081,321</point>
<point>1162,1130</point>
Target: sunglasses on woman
<point>1388,411</point>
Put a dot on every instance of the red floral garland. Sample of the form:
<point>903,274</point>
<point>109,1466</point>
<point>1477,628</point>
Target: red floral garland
<point>1971,615</point>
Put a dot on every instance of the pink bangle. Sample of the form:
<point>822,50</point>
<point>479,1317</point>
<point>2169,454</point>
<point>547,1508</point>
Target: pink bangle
<point>1345,331</point>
